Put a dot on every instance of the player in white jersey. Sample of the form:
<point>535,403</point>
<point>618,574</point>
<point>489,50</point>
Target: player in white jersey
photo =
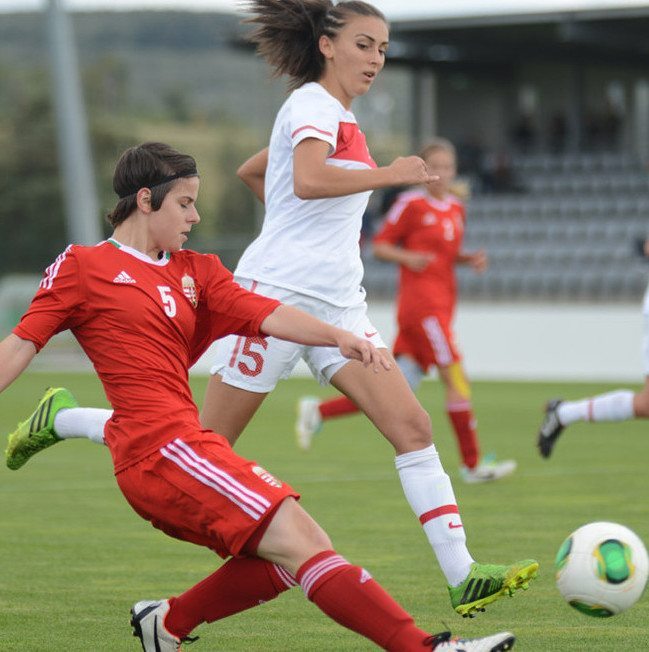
<point>618,405</point>
<point>315,179</point>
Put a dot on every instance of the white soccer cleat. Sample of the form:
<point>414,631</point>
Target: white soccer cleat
<point>309,421</point>
<point>147,619</point>
<point>494,643</point>
<point>487,470</point>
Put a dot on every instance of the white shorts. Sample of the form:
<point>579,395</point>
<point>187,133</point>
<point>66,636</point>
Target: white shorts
<point>257,363</point>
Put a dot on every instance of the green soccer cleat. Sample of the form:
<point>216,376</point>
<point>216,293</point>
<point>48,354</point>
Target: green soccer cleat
<point>486,583</point>
<point>37,432</point>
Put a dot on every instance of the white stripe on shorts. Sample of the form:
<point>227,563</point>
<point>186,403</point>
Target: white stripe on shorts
<point>252,503</point>
<point>321,568</point>
<point>438,341</point>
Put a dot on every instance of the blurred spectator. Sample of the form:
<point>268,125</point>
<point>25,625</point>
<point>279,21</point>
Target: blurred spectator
<point>558,132</point>
<point>525,133</point>
<point>611,127</point>
<point>497,174</point>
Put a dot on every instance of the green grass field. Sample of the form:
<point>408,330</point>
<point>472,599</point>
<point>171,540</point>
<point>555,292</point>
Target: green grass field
<point>75,557</point>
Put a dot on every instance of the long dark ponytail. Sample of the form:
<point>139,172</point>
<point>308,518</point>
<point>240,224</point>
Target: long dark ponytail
<point>287,33</point>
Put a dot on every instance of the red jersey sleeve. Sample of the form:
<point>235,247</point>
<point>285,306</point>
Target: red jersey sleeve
<point>232,308</point>
<point>395,225</point>
<point>56,306</point>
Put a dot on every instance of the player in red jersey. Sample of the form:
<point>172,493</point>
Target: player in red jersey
<point>142,309</point>
<point>422,233</point>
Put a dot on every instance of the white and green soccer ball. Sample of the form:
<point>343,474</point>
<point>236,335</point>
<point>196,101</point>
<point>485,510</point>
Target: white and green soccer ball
<point>602,569</point>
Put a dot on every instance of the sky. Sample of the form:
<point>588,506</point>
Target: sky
<point>394,9</point>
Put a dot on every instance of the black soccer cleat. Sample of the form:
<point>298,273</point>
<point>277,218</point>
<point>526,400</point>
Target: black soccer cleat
<point>550,429</point>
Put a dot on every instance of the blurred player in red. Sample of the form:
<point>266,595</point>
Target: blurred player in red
<point>618,405</point>
<point>422,233</point>
<point>143,310</point>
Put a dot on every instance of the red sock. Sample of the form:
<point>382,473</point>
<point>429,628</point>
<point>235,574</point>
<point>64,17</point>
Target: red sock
<point>464,423</point>
<point>241,583</point>
<point>337,407</point>
<point>349,595</point>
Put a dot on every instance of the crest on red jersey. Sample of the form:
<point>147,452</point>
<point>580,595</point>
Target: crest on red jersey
<point>189,289</point>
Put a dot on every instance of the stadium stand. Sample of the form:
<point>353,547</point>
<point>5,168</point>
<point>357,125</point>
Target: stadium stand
<point>570,233</point>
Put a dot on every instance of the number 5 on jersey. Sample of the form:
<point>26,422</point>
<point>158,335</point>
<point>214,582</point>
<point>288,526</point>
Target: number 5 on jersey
<point>168,302</point>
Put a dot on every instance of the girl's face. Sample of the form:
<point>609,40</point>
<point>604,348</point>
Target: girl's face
<point>441,162</point>
<point>169,226</point>
<point>354,57</point>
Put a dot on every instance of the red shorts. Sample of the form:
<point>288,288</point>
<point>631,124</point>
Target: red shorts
<point>196,488</point>
<point>430,342</point>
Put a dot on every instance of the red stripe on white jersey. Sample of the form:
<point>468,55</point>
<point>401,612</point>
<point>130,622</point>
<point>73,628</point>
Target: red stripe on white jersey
<point>351,145</point>
<point>252,503</point>
<point>52,271</point>
<point>439,511</point>
<point>319,570</point>
<point>320,131</point>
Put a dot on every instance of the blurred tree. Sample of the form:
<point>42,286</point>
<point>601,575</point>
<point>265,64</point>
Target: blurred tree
<point>31,211</point>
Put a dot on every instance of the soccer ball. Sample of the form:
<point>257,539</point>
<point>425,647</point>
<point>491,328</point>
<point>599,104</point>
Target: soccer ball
<point>602,569</point>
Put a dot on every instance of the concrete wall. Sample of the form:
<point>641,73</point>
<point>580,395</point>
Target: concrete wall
<point>537,341</point>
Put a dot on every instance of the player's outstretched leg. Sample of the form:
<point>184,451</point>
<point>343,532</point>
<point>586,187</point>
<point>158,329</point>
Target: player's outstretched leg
<point>494,643</point>
<point>308,422</point>
<point>550,428</point>
<point>486,583</point>
<point>147,620</point>
<point>37,432</point>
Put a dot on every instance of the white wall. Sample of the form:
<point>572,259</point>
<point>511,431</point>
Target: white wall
<point>537,341</point>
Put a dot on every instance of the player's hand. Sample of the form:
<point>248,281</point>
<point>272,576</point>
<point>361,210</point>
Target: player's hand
<point>357,348</point>
<point>479,261</point>
<point>410,170</point>
<point>417,261</point>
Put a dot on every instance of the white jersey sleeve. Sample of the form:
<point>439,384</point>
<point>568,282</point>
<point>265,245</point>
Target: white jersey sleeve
<point>314,116</point>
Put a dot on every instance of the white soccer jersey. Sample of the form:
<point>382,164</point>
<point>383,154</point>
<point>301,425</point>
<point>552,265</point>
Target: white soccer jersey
<point>311,246</point>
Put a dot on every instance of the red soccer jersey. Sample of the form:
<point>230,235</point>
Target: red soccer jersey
<point>142,323</point>
<point>419,222</point>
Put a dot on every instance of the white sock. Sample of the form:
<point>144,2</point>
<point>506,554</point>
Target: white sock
<point>74,423</point>
<point>430,494</point>
<point>612,406</point>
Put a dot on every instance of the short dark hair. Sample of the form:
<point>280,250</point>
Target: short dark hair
<point>288,32</point>
<point>149,165</point>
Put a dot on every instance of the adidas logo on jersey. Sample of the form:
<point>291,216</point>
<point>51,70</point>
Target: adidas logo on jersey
<point>123,277</point>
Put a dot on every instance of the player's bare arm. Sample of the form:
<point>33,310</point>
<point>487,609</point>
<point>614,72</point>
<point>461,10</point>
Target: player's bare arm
<point>288,323</point>
<point>417,261</point>
<point>15,356</point>
<point>314,179</point>
<point>477,260</point>
<point>253,173</point>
